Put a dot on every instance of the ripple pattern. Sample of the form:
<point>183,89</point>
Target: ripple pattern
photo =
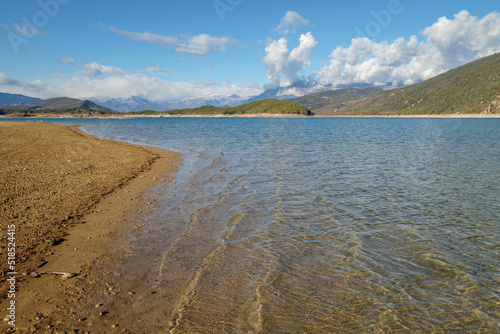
<point>322,225</point>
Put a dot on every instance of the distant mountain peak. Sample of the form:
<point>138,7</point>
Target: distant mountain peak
<point>6,99</point>
<point>60,103</point>
<point>297,90</point>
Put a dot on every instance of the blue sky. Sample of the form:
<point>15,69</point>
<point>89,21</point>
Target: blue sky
<point>166,50</point>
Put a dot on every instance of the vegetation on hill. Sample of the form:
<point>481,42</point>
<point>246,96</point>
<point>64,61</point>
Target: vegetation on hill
<point>337,97</point>
<point>267,106</point>
<point>67,103</point>
<point>56,104</point>
<point>470,89</point>
<point>74,112</point>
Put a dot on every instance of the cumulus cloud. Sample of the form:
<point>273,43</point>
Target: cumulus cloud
<point>283,68</point>
<point>36,88</point>
<point>200,46</point>
<point>125,85</point>
<point>290,21</point>
<point>203,45</point>
<point>94,69</point>
<point>448,43</point>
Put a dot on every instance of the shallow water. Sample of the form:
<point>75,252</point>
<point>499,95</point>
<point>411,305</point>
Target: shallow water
<point>320,225</point>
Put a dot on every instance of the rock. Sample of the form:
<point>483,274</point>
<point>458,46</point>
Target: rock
<point>68,275</point>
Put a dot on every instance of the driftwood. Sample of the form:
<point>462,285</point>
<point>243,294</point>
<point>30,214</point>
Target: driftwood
<point>64,275</point>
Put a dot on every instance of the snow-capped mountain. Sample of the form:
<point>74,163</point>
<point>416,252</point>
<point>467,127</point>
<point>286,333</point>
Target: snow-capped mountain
<point>133,103</point>
<point>297,90</point>
<point>136,103</point>
<point>215,100</point>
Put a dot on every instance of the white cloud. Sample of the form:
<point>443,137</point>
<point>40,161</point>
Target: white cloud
<point>465,38</point>
<point>200,46</point>
<point>22,30</point>
<point>69,61</point>
<point>448,43</point>
<point>94,70</point>
<point>125,85</point>
<point>283,68</point>
<point>5,80</point>
<point>156,69</point>
<point>290,21</point>
<point>36,88</point>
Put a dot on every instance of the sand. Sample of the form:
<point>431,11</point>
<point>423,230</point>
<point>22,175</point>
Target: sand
<point>67,194</point>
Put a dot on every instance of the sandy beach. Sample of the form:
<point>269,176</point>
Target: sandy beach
<point>65,196</point>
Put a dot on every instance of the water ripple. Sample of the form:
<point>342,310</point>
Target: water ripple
<point>326,225</point>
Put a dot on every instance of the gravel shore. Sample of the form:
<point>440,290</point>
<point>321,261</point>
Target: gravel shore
<point>54,181</point>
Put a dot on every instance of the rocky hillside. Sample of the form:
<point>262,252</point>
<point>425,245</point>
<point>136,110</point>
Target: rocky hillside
<point>470,89</point>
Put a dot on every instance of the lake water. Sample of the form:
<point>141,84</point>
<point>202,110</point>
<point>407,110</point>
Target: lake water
<point>320,225</point>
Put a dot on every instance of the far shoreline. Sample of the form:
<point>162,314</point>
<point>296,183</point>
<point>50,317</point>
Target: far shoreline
<point>55,116</point>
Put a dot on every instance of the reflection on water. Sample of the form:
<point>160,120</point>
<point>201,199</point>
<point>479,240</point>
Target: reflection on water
<point>321,225</point>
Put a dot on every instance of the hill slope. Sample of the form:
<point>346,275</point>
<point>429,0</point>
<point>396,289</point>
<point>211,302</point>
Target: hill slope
<point>6,98</point>
<point>319,100</point>
<point>267,106</point>
<point>60,103</point>
<point>470,89</point>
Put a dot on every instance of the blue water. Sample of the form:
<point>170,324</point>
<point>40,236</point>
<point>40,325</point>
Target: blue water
<point>322,225</point>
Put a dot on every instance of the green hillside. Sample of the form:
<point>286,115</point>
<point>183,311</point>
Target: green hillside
<point>62,103</point>
<point>71,112</point>
<point>470,89</point>
<point>319,100</point>
<point>267,106</point>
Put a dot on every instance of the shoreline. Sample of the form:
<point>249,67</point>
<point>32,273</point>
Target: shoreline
<point>253,116</point>
<point>79,243</point>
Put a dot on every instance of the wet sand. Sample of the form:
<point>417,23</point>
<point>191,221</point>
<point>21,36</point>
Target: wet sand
<point>68,195</point>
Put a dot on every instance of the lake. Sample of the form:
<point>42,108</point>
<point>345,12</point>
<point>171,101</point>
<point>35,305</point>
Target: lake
<point>319,224</point>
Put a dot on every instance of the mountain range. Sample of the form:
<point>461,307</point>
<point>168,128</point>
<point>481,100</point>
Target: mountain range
<point>57,103</point>
<point>265,106</point>
<point>294,91</point>
<point>471,88</point>
<point>9,99</point>
<point>137,103</point>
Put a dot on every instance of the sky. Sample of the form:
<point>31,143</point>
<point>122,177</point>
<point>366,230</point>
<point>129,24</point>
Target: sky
<point>169,50</point>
